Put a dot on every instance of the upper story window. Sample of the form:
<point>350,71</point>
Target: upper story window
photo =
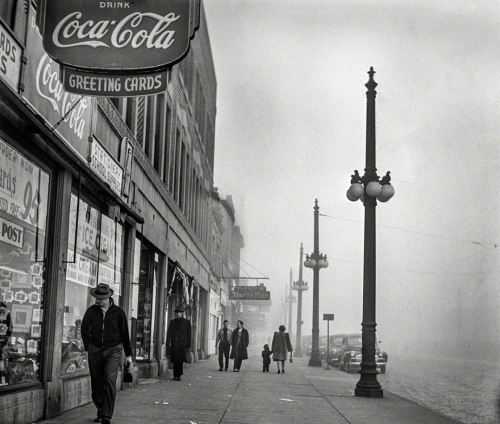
<point>8,11</point>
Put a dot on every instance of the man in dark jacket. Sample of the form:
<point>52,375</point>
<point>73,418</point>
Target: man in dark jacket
<point>104,333</point>
<point>223,342</point>
<point>178,341</point>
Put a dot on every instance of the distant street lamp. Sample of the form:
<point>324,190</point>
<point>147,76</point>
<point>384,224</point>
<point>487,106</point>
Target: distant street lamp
<point>369,189</point>
<point>316,261</point>
<point>299,286</point>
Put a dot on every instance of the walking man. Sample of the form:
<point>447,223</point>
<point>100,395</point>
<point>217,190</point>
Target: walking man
<point>223,341</point>
<point>239,345</point>
<point>105,333</point>
<point>178,341</point>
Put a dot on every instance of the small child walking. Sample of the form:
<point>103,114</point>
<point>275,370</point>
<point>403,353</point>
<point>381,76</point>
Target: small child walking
<point>266,358</point>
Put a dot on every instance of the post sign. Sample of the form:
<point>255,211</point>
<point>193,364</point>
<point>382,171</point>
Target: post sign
<point>91,84</point>
<point>10,58</point>
<point>44,92</point>
<point>328,317</point>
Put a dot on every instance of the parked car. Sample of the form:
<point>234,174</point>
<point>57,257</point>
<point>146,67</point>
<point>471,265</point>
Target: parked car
<point>350,354</point>
<point>335,348</point>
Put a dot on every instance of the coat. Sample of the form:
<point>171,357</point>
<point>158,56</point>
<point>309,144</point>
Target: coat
<point>239,351</point>
<point>281,345</point>
<point>178,339</point>
<point>106,330</point>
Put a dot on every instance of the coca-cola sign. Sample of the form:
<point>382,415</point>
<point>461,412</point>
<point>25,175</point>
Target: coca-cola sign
<point>118,36</point>
<point>67,113</point>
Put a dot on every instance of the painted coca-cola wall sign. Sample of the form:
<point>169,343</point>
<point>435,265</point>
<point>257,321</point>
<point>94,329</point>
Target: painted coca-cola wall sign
<point>118,36</point>
<point>67,113</point>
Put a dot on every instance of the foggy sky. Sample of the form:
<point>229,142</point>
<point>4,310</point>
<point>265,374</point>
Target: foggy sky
<point>290,128</point>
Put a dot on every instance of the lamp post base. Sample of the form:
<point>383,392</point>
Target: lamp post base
<point>315,361</point>
<point>368,385</point>
<point>370,392</point>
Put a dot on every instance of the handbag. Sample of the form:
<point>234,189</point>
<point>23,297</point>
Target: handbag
<point>127,375</point>
<point>291,358</point>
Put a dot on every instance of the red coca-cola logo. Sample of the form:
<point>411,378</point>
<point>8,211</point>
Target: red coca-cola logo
<point>118,36</point>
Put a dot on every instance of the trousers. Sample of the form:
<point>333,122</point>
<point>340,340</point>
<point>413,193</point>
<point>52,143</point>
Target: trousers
<point>223,354</point>
<point>237,363</point>
<point>178,369</point>
<point>103,366</point>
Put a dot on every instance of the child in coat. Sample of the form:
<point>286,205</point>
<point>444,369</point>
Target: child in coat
<point>266,358</point>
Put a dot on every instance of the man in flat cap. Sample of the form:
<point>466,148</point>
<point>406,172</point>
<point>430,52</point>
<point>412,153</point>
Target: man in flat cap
<point>178,341</point>
<point>104,334</point>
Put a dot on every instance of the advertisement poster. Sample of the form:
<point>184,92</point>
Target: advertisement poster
<point>44,92</point>
<point>10,58</point>
<point>24,192</point>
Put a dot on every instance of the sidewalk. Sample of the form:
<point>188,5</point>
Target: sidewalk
<point>301,395</point>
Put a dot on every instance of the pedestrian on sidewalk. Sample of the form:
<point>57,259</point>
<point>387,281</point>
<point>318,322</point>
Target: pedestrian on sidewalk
<point>178,341</point>
<point>266,358</point>
<point>281,345</point>
<point>223,343</point>
<point>105,332</point>
<point>239,345</point>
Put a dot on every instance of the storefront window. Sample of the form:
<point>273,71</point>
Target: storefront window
<point>24,192</point>
<point>143,300</point>
<point>94,256</point>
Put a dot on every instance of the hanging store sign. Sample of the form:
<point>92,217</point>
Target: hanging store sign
<point>91,84</point>
<point>249,295</point>
<point>116,35</point>
<point>69,114</point>
<point>10,58</point>
<point>103,164</point>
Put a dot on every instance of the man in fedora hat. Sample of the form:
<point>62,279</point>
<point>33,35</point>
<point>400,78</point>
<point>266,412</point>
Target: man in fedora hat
<point>178,341</point>
<point>104,334</point>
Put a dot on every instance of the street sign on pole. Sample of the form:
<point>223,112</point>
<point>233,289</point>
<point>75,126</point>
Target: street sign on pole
<point>328,318</point>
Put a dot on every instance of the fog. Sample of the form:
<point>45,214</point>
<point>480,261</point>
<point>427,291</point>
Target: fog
<point>290,128</point>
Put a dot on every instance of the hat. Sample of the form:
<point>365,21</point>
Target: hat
<point>102,291</point>
<point>179,309</point>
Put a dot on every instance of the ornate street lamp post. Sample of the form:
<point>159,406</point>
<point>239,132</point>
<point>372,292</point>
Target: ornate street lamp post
<point>299,286</point>
<point>316,261</point>
<point>369,188</point>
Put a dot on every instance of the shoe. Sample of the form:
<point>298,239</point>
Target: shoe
<point>97,419</point>
<point>279,371</point>
<point>220,369</point>
<point>283,372</point>
<point>105,421</point>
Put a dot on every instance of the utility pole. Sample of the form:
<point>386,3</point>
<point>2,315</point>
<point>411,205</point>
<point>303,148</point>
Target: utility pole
<point>300,286</point>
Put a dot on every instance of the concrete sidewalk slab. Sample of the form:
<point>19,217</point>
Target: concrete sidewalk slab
<point>301,395</point>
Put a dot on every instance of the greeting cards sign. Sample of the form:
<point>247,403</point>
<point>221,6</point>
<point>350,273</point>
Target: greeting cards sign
<point>116,37</point>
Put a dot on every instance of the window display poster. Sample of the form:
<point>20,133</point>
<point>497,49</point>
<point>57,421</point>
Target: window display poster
<point>21,318</point>
<point>24,192</point>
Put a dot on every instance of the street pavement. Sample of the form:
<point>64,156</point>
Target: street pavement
<point>301,395</point>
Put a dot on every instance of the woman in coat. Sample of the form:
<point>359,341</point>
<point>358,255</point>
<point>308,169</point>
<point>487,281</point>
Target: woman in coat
<point>239,345</point>
<point>281,345</point>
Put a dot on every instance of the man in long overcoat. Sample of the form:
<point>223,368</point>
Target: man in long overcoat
<point>239,345</point>
<point>178,341</point>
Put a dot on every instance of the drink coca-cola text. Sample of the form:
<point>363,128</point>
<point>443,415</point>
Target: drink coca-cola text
<point>73,31</point>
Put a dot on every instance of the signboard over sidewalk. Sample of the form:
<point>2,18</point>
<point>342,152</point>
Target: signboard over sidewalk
<point>116,42</point>
<point>249,293</point>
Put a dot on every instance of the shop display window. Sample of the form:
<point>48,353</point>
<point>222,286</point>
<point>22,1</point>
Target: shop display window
<point>24,199</point>
<point>143,300</point>
<point>94,256</point>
